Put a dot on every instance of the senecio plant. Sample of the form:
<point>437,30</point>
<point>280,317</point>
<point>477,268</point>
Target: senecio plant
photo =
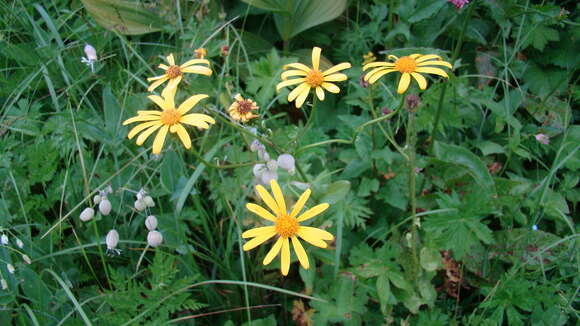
<point>172,118</point>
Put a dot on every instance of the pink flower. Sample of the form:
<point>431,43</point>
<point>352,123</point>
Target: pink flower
<point>459,3</point>
<point>543,139</point>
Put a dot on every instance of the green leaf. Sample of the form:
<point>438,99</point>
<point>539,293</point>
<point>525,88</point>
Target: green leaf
<point>383,291</point>
<point>426,9</point>
<point>460,156</point>
<point>112,110</point>
<point>487,147</point>
<point>336,192</point>
<point>307,14</point>
<point>430,259</point>
<point>538,36</point>
<point>270,5</point>
<point>125,17</point>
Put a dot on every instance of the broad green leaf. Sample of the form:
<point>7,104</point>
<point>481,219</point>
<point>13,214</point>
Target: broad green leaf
<point>430,259</point>
<point>383,290</point>
<point>125,17</point>
<point>336,192</point>
<point>307,14</point>
<point>270,5</point>
<point>454,154</point>
<point>488,147</point>
<point>426,9</point>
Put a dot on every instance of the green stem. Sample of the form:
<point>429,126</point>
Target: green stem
<point>311,118</point>
<point>101,253</point>
<point>215,166</point>
<point>411,144</point>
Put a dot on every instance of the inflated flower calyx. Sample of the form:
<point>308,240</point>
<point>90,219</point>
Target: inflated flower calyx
<point>286,162</point>
<point>149,201</point>
<point>105,206</point>
<point>256,146</point>
<point>151,223</point>
<point>19,243</point>
<point>112,239</point>
<point>258,170</point>
<point>263,155</point>
<point>26,259</point>
<point>87,214</point>
<point>272,165</point>
<point>140,205</point>
<point>10,268</point>
<point>97,199</point>
<point>4,239</point>
<point>4,284</point>
<point>154,238</point>
<point>268,176</point>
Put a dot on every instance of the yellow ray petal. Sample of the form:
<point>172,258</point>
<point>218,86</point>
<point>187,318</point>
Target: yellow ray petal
<point>137,129</point>
<point>197,70</point>
<point>261,212</point>
<point>297,91</point>
<point>320,93</point>
<point>404,83</point>
<point>289,82</point>
<point>273,252</point>
<point>435,63</point>
<point>258,240</point>
<point>164,67</point>
<point>300,203</point>
<point>149,112</point>
<point>299,66</point>
<point>172,86</point>
<point>197,120</point>
<point>335,77</point>
<point>291,73</point>
<point>183,135</point>
<point>313,212</point>
<point>428,57</point>
<point>156,84</point>
<point>316,57</point>
<point>432,70</point>
<point>160,102</point>
<point>338,67</point>
<point>140,118</point>
<point>420,80</point>
<point>145,134</point>
<point>256,232</point>
<point>194,62</point>
<point>302,97</point>
<point>331,87</point>
<point>379,74</point>
<point>378,64</point>
<point>171,59</point>
<point>300,253</point>
<point>156,78</point>
<point>311,238</point>
<point>285,257</point>
<point>160,139</point>
<point>317,233</point>
<point>191,102</point>
<point>278,196</point>
<point>268,200</point>
<point>415,55</point>
<point>392,57</point>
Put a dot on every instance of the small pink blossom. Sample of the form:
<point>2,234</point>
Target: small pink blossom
<point>544,139</point>
<point>459,3</point>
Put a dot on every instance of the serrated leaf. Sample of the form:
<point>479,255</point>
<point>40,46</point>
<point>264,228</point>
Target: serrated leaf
<point>335,192</point>
<point>538,36</point>
<point>454,154</point>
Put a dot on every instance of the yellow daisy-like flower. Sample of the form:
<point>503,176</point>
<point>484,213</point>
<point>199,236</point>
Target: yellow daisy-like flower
<point>312,78</point>
<point>174,73</point>
<point>412,65</point>
<point>169,119</point>
<point>241,109</point>
<point>286,226</point>
<point>368,58</point>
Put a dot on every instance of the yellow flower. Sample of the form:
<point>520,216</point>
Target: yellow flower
<point>174,73</point>
<point>368,58</point>
<point>286,226</point>
<point>241,109</point>
<point>169,118</point>
<point>408,66</point>
<point>311,78</point>
<point>200,53</point>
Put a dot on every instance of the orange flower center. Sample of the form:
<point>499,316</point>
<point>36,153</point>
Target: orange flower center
<point>245,106</point>
<point>314,78</point>
<point>173,71</point>
<point>286,226</point>
<point>170,117</point>
<point>405,64</point>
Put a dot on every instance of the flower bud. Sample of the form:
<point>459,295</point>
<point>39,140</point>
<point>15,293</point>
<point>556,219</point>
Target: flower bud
<point>151,222</point>
<point>256,146</point>
<point>272,165</point>
<point>362,82</point>
<point>4,284</point>
<point>105,207</point>
<point>154,238</point>
<point>26,259</point>
<point>413,101</point>
<point>97,199</point>
<point>19,243</point>
<point>263,155</point>
<point>149,201</point>
<point>258,170</point>
<point>10,268</point>
<point>112,239</point>
<point>4,239</point>
<point>87,214</point>
<point>267,176</point>
<point>286,162</point>
<point>544,139</point>
<point>140,205</point>
<point>90,52</point>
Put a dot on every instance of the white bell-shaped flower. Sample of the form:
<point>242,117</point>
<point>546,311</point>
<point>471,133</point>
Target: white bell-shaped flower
<point>154,238</point>
<point>87,214</point>
<point>151,223</point>
<point>105,206</point>
<point>112,239</point>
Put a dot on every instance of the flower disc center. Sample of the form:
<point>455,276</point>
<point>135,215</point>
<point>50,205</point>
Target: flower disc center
<point>173,71</point>
<point>245,106</point>
<point>406,64</point>
<point>170,117</point>
<point>286,226</point>
<point>314,78</point>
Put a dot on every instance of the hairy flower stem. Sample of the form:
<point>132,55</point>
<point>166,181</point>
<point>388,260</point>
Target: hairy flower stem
<point>411,144</point>
<point>454,56</point>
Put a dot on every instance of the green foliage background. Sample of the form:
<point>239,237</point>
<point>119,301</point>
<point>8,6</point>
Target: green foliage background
<point>484,180</point>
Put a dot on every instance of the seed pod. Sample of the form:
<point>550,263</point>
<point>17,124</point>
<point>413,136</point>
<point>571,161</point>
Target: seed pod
<point>26,259</point>
<point>97,199</point>
<point>154,238</point>
<point>151,223</point>
<point>272,165</point>
<point>286,162</point>
<point>4,239</point>
<point>105,206</point>
<point>140,205</point>
<point>19,243</point>
<point>112,239</point>
<point>87,214</point>
<point>149,201</point>
<point>10,268</point>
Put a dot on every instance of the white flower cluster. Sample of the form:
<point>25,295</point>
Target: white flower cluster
<point>264,173</point>
<point>5,241</point>
<point>143,201</point>
<point>154,237</point>
<point>102,201</point>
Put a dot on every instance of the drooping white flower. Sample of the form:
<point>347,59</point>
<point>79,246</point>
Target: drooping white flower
<point>272,165</point>
<point>4,284</point>
<point>10,268</point>
<point>286,162</point>
<point>154,238</point>
<point>87,214</point>
<point>112,239</point>
<point>258,169</point>
<point>26,259</point>
<point>140,205</point>
<point>256,146</point>
<point>149,201</point>
<point>151,222</point>
<point>19,243</point>
<point>268,176</point>
<point>4,239</point>
<point>105,206</point>
<point>263,155</point>
<point>97,199</point>
<point>91,56</point>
